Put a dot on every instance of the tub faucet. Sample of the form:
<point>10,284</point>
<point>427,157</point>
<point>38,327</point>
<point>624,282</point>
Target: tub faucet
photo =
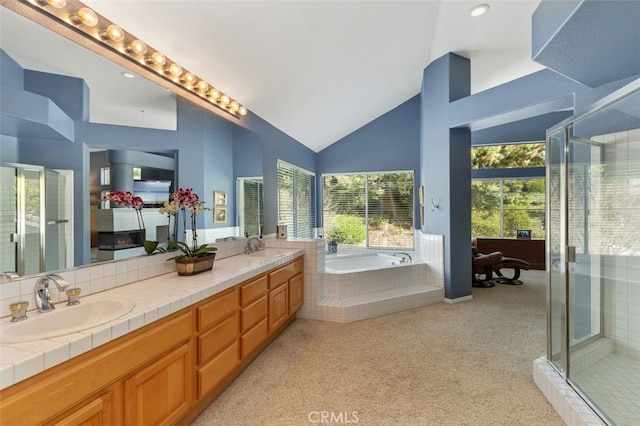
<point>404,257</point>
<point>43,298</point>
<point>250,248</point>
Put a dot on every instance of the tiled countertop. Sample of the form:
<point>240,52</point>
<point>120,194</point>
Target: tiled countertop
<point>154,298</point>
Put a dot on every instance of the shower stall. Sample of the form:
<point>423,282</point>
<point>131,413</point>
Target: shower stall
<point>593,255</point>
<point>36,223</point>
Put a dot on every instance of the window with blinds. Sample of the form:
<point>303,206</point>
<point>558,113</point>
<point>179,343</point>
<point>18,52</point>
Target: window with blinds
<point>251,207</point>
<point>296,200</point>
<point>369,209</point>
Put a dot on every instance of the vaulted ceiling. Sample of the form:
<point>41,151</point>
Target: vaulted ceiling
<point>319,70</point>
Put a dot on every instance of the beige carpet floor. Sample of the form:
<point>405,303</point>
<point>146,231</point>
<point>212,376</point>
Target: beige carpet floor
<point>447,364</point>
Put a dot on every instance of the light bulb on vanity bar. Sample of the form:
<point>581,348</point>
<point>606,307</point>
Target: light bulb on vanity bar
<point>202,87</point>
<point>188,78</point>
<point>214,94</point>
<point>157,59</point>
<point>113,32</point>
<point>174,69</point>
<point>85,16</point>
<point>137,47</point>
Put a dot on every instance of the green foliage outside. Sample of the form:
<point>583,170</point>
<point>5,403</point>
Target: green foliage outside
<point>347,230</point>
<point>508,156</point>
<point>519,203</point>
<point>377,204</point>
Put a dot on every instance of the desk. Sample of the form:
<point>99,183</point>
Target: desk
<point>530,250</point>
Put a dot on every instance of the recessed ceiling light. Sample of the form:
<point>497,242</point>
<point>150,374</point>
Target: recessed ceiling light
<point>128,74</point>
<point>479,10</point>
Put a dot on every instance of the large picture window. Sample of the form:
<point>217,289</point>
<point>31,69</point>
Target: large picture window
<point>296,200</point>
<point>499,207</point>
<point>369,209</point>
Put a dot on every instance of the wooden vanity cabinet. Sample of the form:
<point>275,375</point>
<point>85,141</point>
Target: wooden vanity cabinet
<point>89,389</point>
<point>167,372</point>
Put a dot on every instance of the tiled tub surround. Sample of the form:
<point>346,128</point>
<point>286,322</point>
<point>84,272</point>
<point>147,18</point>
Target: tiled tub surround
<point>155,298</point>
<point>378,293</point>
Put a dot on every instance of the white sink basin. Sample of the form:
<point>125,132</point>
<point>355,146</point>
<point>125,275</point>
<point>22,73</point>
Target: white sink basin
<point>269,253</point>
<point>63,320</point>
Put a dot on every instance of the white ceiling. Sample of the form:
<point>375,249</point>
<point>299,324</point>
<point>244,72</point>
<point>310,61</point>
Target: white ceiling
<point>319,70</point>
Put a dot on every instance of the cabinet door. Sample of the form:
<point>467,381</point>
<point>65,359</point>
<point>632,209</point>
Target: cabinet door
<point>161,393</point>
<point>296,295</point>
<point>278,306</point>
<point>99,411</point>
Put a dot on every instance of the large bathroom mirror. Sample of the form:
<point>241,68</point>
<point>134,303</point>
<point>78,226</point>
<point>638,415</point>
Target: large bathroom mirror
<point>94,109</point>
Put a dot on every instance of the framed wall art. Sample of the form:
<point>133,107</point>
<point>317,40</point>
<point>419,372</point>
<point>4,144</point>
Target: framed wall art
<point>220,198</point>
<point>219,214</point>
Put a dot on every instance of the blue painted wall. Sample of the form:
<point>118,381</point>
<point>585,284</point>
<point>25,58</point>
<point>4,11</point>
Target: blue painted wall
<point>599,42</point>
<point>445,158</point>
<point>389,143</point>
<point>276,145</point>
<point>207,159</point>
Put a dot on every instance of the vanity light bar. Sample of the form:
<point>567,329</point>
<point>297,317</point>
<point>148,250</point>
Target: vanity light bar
<point>86,21</point>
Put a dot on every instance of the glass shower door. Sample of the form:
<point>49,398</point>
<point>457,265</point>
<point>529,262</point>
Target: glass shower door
<point>584,190</point>
<point>35,227</point>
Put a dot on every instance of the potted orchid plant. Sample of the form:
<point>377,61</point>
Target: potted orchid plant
<point>127,199</point>
<point>194,258</point>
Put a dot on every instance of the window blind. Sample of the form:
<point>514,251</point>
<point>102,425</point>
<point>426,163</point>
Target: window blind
<point>296,200</point>
<point>252,206</point>
<point>369,209</point>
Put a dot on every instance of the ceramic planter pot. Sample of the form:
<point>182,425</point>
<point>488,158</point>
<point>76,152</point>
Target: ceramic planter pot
<point>195,265</point>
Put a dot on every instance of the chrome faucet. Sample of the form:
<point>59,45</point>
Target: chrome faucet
<point>250,248</point>
<point>404,257</point>
<point>43,298</point>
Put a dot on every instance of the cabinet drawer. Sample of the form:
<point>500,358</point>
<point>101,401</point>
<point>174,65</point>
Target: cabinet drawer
<point>218,309</point>
<point>212,342</point>
<point>283,274</point>
<point>254,337</point>
<point>253,290</point>
<point>253,314</point>
<point>217,369</point>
